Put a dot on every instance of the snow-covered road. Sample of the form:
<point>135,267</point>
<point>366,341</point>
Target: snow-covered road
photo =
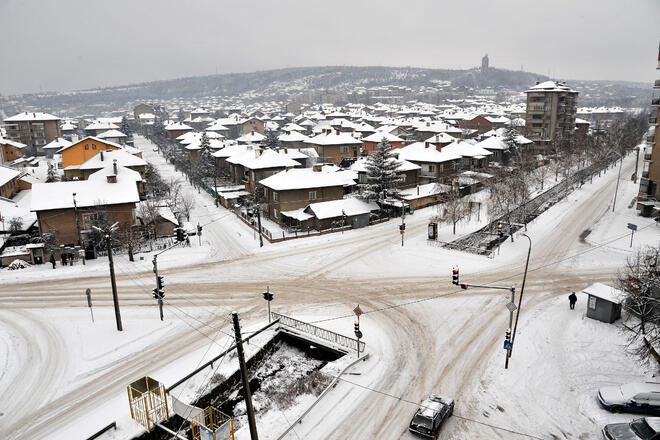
<point>446,340</point>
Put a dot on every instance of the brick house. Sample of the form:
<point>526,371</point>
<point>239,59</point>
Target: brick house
<point>436,164</point>
<point>333,146</point>
<point>9,182</point>
<point>295,188</point>
<point>11,150</point>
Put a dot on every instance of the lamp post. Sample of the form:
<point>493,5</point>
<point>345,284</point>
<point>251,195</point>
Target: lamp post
<point>75,210</point>
<point>616,190</point>
<point>522,290</point>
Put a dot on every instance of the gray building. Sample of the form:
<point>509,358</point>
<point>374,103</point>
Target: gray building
<point>603,302</point>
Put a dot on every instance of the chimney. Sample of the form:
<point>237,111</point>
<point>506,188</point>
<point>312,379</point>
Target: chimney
<point>286,151</point>
<point>426,144</point>
<point>317,168</point>
<point>537,83</point>
<point>337,132</point>
<point>101,155</point>
<point>114,166</point>
<point>428,124</point>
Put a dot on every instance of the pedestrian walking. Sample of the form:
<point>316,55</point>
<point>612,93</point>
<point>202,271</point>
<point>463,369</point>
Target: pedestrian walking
<point>63,259</point>
<point>71,259</point>
<point>572,299</point>
<point>52,260</point>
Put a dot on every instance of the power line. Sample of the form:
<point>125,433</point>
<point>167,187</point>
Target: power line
<point>499,428</point>
<point>543,266</point>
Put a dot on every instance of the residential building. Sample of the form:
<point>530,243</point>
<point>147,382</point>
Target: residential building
<point>649,192</point>
<point>371,142</point>
<point>476,122</point>
<point>256,164</point>
<point>9,181</point>
<point>71,209</point>
<point>295,188</point>
<point>101,160</point>
<point>436,164</point>
<point>11,150</point>
<point>56,145</point>
<point>551,108</point>
<point>333,146</point>
<point>33,129</point>
<point>78,152</point>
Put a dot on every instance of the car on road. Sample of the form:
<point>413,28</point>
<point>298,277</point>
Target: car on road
<point>639,397</point>
<point>646,428</point>
<point>431,413</point>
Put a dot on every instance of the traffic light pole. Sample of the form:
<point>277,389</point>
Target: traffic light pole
<point>155,262</point>
<point>113,282</point>
<point>522,290</point>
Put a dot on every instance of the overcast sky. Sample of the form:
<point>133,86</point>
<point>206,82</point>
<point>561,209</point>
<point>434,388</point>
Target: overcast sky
<point>76,44</point>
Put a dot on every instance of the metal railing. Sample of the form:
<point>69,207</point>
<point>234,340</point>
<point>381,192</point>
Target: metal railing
<point>319,332</point>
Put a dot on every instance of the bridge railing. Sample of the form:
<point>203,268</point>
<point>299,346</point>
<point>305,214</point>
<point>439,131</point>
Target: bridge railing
<point>319,332</point>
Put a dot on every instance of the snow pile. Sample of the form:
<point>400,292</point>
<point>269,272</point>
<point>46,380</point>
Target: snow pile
<point>18,264</point>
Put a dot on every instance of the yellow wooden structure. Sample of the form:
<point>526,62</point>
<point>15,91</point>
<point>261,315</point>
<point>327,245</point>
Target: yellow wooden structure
<point>212,424</point>
<point>147,399</point>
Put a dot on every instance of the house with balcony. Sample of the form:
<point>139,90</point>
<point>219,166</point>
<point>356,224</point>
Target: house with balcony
<point>648,197</point>
<point>333,146</point>
<point>34,129</point>
<point>255,164</point>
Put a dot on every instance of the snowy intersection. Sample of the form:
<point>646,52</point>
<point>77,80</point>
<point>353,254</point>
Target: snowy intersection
<point>448,342</point>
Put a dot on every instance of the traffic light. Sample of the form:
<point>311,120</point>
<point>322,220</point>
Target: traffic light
<point>268,296</point>
<point>464,286</point>
<point>199,229</point>
<point>357,327</point>
<point>159,282</point>
<point>179,235</point>
<point>158,294</point>
<point>402,227</point>
<point>499,230</point>
<point>507,335</point>
<point>454,276</point>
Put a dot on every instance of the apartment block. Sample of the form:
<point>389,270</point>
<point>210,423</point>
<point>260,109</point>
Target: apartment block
<point>551,108</point>
<point>33,129</point>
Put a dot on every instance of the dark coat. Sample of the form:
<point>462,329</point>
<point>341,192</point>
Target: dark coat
<point>572,298</point>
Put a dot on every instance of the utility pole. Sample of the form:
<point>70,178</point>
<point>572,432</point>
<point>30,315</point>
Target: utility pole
<point>402,227</point>
<point>215,180</point>
<point>113,282</point>
<point>268,296</point>
<point>75,210</point>
<point>158,293</point>
<point>244,376</point>
<point>261,240</point>
<point>617,182</point>
<point>522,290</point>
<point>636,163</point>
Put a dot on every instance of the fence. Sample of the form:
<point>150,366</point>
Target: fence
<point>319,332</point>
<point>484,240</point>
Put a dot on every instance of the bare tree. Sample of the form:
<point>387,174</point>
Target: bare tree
<point>15,225</point>
<point>148,214</point>
<point>454,207</point>
<point>640,281</point>
<point>187,204</point>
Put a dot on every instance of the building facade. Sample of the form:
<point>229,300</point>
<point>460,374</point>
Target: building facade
<point>647,199</point>
<point>551,108</point>
<point>33,129</point>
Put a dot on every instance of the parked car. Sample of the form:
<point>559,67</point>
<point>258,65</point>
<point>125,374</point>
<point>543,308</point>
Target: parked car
<point>647,428</point>
<point>640,397</point>
<point>430,415</point>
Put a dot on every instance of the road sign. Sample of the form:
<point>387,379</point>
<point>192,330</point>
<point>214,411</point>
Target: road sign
<point>632,226</point>
<point>402,232</point>
<point>357,311</point>
<point>508,345</point>
<point>358,334</point>
<point>511,306</point>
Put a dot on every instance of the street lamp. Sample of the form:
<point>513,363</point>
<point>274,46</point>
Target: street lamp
<point>522,290</point>
<point>617,179</point>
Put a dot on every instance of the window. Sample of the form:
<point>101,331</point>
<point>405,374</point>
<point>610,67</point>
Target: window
<point>276,213</point>
<point>86,146</point>
<point>343,149</point>
<point>93,146</point>
<point>362,178</point>
<point>431,168</point>
<point>266,192</point>
<point>403,177</point>
<point>276,197</point>
<point>312,195</point>
<point>592,302</point>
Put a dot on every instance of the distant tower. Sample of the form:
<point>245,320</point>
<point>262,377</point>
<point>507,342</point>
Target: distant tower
<point>484,63</point>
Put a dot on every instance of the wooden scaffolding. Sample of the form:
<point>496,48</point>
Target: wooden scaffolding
<point>212,424</point>
<point>147,399</point>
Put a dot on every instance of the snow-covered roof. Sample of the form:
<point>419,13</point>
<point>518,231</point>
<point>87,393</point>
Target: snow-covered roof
<point>59,195</point>
<point>551,86</point>
<point>7,174</point>
<point>231,150</point>
<point>304,178</point>
<point>292,153</point>
<point>32,116</point>
<point>467,149</point>
<point>360,165</point>
<point>256,159</point>
<point>101,125</point>
<point>426,190</point>
<point>298,214</point>
<point>380,135</point>
<point>334,139</point>
<point>174,126</point>
<point>581,121</point>
<point>90,138</point>
<point>493,143</point>
<point>57,144</point>
<point>292,136</point>
<point>252,137</point>
<point>10,209</point>
<point>102,158</point>
<point>109,170</point>
<point>336,208</point>
<point>421,152</point>
<point>111,134</point>
<point>14,144</point>
<point>441,138</point>
<point>605,292</point>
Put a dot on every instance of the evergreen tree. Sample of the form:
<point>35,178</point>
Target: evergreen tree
<point>382,177</point>
<point>271,140</point>
<point>159,129</point>
<point>205,160</point>
<point>125,128</point>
